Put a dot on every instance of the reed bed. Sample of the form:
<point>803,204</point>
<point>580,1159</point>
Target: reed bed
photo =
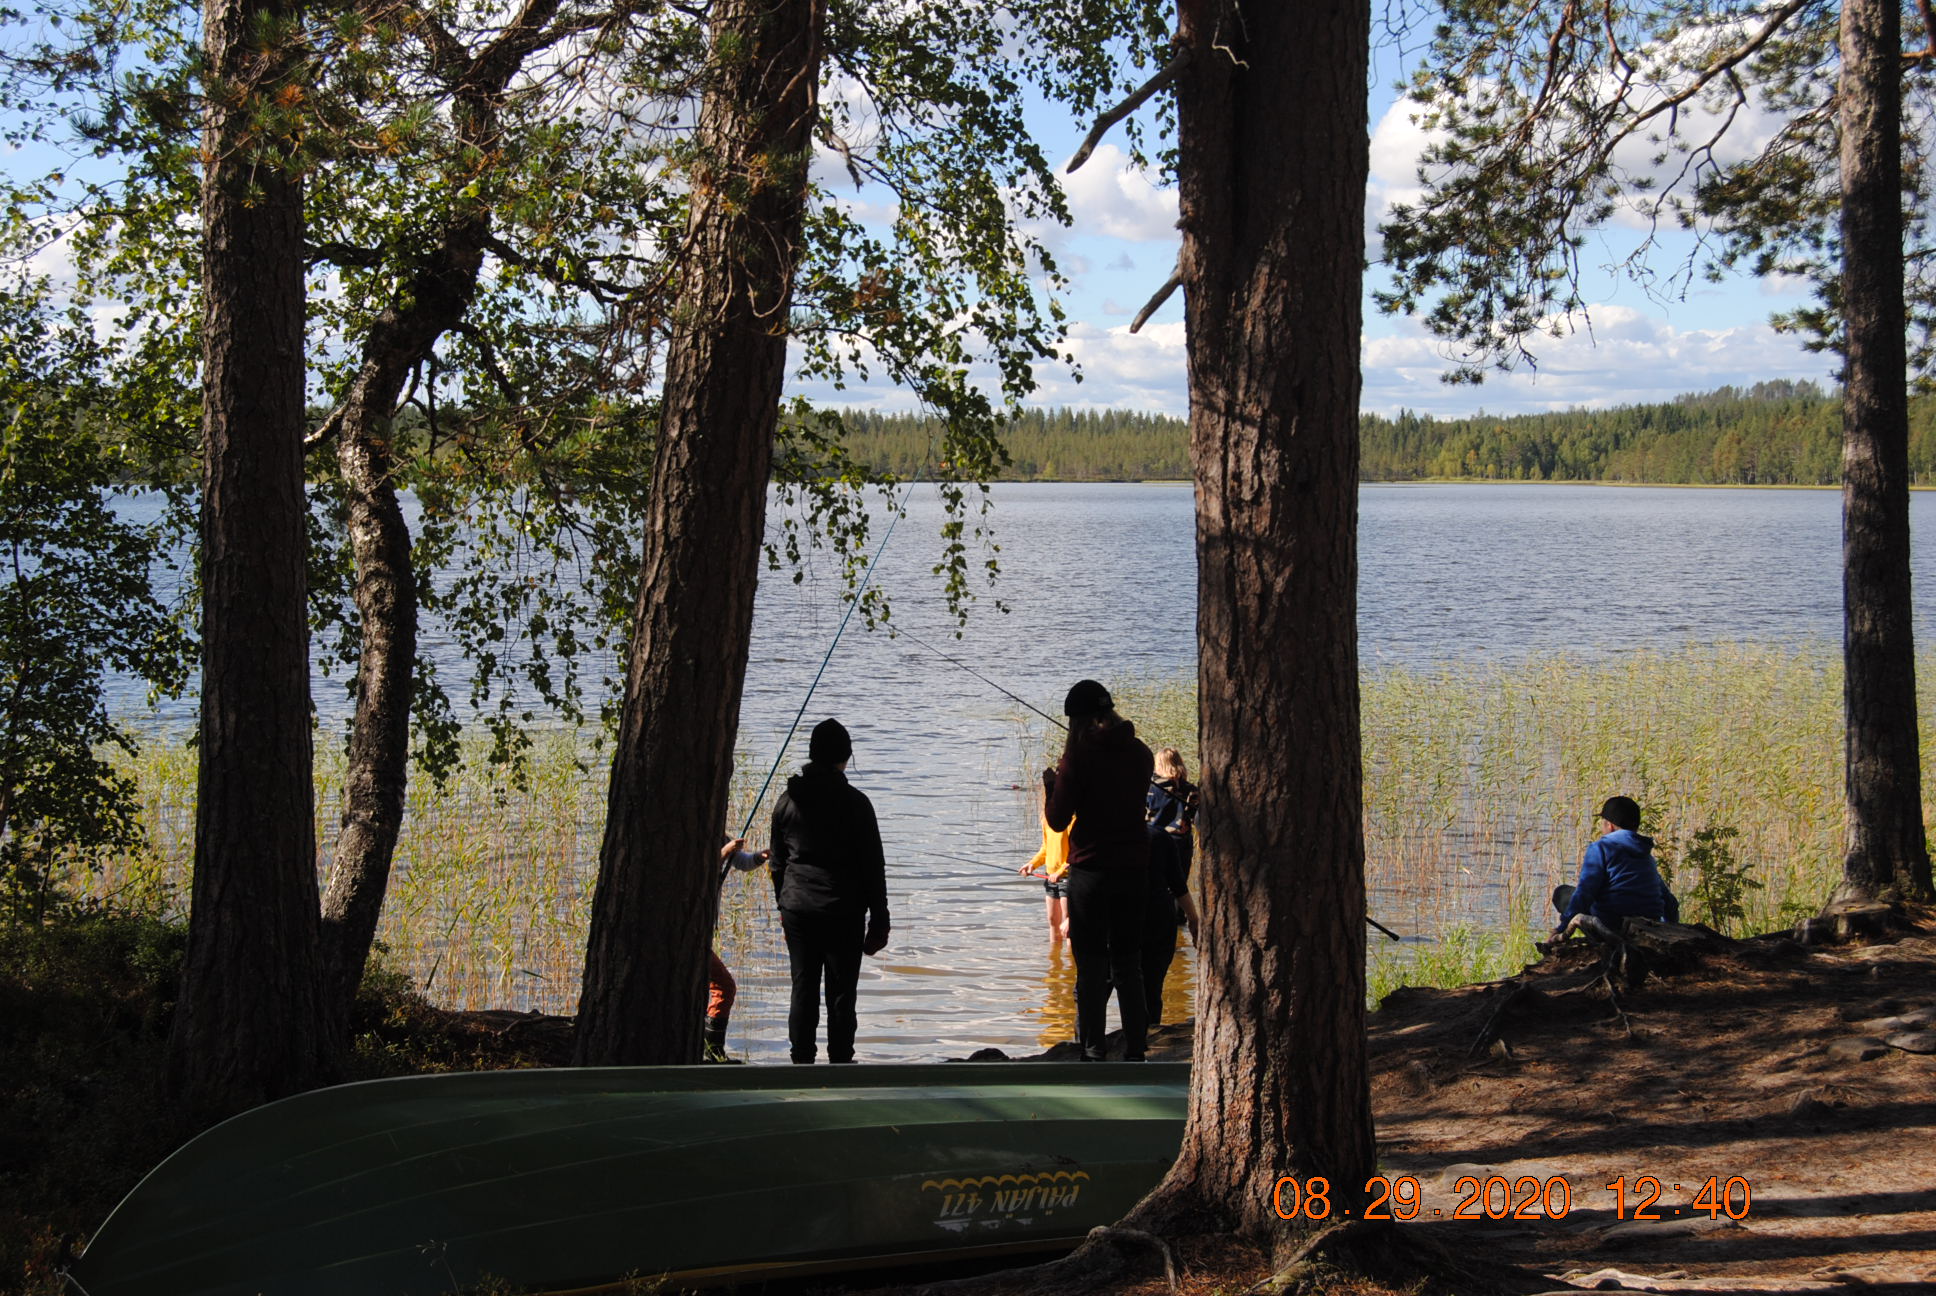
<point>1481,786</point>
<point>489,899</point>
<point>1483,781</point>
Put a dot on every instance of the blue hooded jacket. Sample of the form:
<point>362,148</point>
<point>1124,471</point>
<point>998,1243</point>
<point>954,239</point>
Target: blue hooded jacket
<point>1618,879</point>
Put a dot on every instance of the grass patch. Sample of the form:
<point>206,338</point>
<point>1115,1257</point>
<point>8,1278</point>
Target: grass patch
<point>85,998</point>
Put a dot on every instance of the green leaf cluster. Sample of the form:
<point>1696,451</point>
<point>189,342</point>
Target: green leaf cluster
<point>1549,121</point>
<point>75,603</point>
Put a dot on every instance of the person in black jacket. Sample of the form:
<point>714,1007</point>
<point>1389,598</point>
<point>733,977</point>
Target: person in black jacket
<point>1099,785</point>
<point>830,877</point>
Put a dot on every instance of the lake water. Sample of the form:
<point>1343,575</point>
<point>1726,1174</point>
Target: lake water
<point>1099,581</point>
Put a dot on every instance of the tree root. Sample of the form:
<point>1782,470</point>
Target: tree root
<point>1105,1261</point>
<point>1404,1258</point>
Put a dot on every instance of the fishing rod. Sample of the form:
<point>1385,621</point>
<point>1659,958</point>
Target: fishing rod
<point>963,859</point>
<point>866,577</point>
<point>1018,698</point>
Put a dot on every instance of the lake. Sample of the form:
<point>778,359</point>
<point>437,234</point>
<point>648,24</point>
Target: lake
<point>1099,581</point>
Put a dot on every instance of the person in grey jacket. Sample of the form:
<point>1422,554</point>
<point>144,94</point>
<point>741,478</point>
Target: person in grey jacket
<point>830,878</point>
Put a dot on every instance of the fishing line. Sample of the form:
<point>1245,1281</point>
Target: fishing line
<point>1058,724</point>
<point>897,630</point>
<point>963,859</point>
<point>859,590</point>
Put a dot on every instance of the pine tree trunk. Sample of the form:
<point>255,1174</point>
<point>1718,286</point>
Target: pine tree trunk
<point>249,1025</point>
<point>1887,854</point>
<point>1272,162</point>
<point>432,301</point>
<point>643,994</point>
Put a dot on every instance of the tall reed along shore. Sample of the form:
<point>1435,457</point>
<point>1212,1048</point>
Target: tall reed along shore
<point>1480,784</point>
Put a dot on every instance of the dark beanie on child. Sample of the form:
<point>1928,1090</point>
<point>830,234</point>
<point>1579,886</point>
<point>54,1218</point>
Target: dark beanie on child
<point>830,744</point>
<point>1086,699</point>
<point>1621,812</point>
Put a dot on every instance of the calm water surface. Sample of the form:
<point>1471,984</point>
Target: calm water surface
<point>1099,580</point>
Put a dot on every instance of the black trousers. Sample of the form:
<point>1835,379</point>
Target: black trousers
<point>823,946</point>
<point>1106,937</point>
<point>1159,951</point>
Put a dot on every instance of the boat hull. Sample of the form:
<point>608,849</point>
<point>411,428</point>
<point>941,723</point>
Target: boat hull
<point>571,1180</point>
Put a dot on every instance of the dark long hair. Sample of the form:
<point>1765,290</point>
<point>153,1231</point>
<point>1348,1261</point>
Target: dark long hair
<point>1082,729</point>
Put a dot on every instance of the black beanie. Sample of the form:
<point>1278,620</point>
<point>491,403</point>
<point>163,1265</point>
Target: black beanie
<point>1086,699</point>
<point>1621,812</point>
<point>830,744</point>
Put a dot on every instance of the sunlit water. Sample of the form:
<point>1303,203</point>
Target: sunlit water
<point>1099,580</point>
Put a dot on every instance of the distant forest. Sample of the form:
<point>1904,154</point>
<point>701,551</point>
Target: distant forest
<point>1782,433</point>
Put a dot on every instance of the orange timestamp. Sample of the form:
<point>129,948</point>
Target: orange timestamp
<point>1497,1197</point>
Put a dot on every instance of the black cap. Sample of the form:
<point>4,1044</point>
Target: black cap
<point>1621,812</point>
<point>1086,699</point>
<point>830,744</point>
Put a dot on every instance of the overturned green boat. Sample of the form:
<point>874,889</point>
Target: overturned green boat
<point>579,1180</point>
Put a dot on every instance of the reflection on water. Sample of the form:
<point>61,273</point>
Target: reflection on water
<point>1057,1015</point>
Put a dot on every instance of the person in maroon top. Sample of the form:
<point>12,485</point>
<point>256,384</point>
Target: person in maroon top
<point>1100,784</point>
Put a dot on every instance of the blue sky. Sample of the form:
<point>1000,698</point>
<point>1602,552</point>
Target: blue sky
<point>1123,243</point>
<point>1632,347</point>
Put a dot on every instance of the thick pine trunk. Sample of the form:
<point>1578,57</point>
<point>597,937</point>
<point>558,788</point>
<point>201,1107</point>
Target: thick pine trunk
<point>249,1025</point>
<point>1272,161</point>
<point>1887,854</point>
<point>643,993</point>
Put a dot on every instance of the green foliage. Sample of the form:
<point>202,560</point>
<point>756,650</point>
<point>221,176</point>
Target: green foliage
<point>85,996</point>
<point>74,603</point>
<point>1713,116</point>
<point>559,142</point>
<point>1463,955</point>
<point>1720,884</point>
<point>1778,433</point>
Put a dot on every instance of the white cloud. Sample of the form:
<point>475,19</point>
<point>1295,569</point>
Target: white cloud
<point>1120,370</point>
<point>1628,357</point>
<point>1396,143</point>
<point>1111,199</point>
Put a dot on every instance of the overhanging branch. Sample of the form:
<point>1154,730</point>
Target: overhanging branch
<point>1162,295</point>
<point>1141,96</point>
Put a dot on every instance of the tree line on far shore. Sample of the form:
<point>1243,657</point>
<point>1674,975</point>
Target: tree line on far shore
<point>1779,433</point>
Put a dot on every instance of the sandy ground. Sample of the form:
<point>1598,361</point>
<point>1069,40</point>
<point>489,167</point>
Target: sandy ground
<point>1807,1076</point>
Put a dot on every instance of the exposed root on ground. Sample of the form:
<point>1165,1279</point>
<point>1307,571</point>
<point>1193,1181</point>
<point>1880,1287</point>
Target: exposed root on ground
<point>1108,1260</point>
<point>1360,1253</point>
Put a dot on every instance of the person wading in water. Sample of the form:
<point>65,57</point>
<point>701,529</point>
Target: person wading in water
<point>1099,786</point>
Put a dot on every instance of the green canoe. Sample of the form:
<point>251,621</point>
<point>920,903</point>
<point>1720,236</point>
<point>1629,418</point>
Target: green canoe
<point>574,1180</point>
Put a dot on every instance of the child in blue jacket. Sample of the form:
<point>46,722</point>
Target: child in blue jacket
<point>1618,876</point>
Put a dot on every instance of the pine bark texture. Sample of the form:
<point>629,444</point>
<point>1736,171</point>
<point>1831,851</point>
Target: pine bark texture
<point>1272,166</point>
<point>249,1024</point>
<point>432,300</point>
<point>644,988</point>
<point>1887,854</point>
